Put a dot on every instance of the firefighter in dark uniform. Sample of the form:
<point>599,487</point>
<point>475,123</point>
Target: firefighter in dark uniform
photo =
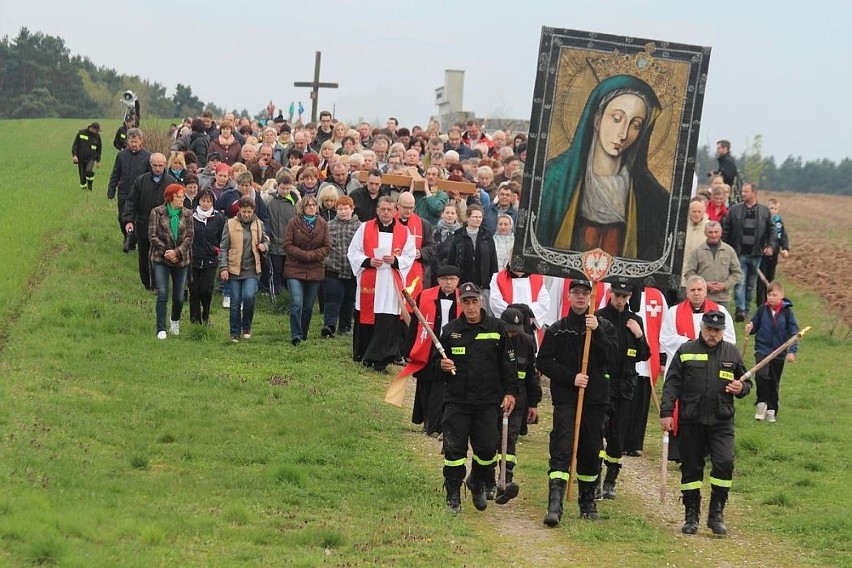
<point>631,347</point>
<point>526,403</point>
<point>120,140</point>
<point>481,378</point>
<point>704,377</point>
<point>86,153</point>
<point>560,358</point>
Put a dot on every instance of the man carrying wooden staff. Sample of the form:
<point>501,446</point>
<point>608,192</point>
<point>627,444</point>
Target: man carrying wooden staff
<point>704,377</point>
<point>560,359</point>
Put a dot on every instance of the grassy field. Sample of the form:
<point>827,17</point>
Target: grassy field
<point>119,449</point>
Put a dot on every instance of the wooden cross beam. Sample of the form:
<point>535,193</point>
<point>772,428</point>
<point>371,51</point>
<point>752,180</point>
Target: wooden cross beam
<point>315,86</point>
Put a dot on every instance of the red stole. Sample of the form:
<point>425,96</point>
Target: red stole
<point>652,314</point>
<point>504,283</point>
<point>368,277</point>
<point>686,326</point>
<point>683,317</point>
<point>415,227</point>
<point>422,348</point>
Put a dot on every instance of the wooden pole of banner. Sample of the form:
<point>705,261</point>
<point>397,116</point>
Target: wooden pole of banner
<point>596,264</point>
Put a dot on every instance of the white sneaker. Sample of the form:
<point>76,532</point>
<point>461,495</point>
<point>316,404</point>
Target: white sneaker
<point>760,413</point>
<point>770,416</point>
<point>161,335</point>
<point>175,328</point>
<point>226,302</point>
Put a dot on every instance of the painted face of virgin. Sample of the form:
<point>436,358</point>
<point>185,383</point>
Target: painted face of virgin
<point>621,123</point>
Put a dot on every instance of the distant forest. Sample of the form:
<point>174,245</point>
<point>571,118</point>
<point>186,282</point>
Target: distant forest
<point>39,78</point>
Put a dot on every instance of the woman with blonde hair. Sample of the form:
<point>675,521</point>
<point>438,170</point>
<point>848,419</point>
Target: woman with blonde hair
<point>307,242</point>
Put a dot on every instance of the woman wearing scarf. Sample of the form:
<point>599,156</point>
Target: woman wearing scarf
<point>207,226</point>
<point>442,233</point>
<point>240,264</point>
<point>170,232</point>
<point>307,241</point>
<point>226,144</point>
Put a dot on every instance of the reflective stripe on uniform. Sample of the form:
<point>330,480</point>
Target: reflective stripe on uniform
<point>558,475</point>
<point>83,137</point>
<point>631,353</point>
<point>694,357</point>
<point>689,486</point>
<point>610,459</point>
<point>481,461</point>
<point>587,478</point>
<point>720,482</point>
<point>512,458</point>
<point>522,375</point>
<point>454,463</point>
<point>489,335</point>
<point>457,350</point>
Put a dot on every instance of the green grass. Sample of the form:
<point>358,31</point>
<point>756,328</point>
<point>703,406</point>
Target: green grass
<point>119,449</point>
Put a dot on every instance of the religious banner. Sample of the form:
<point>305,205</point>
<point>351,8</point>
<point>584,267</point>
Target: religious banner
<point>611,156</point>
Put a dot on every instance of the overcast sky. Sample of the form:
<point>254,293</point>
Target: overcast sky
<point>771,63</point>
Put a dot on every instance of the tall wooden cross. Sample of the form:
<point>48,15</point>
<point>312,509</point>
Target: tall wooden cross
<point>315,86</point>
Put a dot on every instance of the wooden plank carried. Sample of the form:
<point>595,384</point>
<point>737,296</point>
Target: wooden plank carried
<point>395,179</point>
<point>463,187</point>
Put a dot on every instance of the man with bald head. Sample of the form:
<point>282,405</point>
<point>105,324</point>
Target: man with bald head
<point>145,194</point>
<point>424,244</point>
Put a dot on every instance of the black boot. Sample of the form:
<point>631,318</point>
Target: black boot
<point>715,522</point>
<point>692,506</point>
<point>554,502</point>
<point>599,489</point>
<point>490,486</point>
<point>476,486</point>
<point>609,482</point>
<point>586,500</point>
<point>453,487</point>
<point>509,492</point>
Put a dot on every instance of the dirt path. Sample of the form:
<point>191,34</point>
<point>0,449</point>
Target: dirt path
<point>638,493</point>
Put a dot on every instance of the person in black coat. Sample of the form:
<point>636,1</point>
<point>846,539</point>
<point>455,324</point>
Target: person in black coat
<point>209,224</point>
<point>472,250</point>
<point>146,193</point>
<point>130,163</point>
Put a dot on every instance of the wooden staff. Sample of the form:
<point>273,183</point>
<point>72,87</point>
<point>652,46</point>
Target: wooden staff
<point>504,446</point>
<point>595,264</point>
<point>769,358</point>
<point>654,396</point>
<point>664,467</point>
<point>406,294</point>
<point>745,344</point>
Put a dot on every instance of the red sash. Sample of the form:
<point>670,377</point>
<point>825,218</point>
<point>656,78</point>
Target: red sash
<point>652,314</point>
<point>368,277</point>
<point>422,348</point>
<point>504,284</point>
<point>415,227</point>
<point>683,317</point>
<point>686,326</point>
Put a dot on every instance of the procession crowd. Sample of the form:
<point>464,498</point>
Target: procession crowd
<point>320,211</point>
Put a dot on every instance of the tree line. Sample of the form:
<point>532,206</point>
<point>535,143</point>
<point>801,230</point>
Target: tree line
<point>39,78</point>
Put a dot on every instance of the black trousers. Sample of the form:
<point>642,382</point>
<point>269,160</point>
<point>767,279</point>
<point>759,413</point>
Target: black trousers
<point>769,381</point>
<point>768,265</point>
<point>617,423</point>
<point>637,421</point>
<point>696,442</point>
<point>465,423</point>
<point>143,247</point>
<point>86,169</point>
<point>589,444</point>
<point>201,283</point>
<point>121,200</point>
<point>428,406</point>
